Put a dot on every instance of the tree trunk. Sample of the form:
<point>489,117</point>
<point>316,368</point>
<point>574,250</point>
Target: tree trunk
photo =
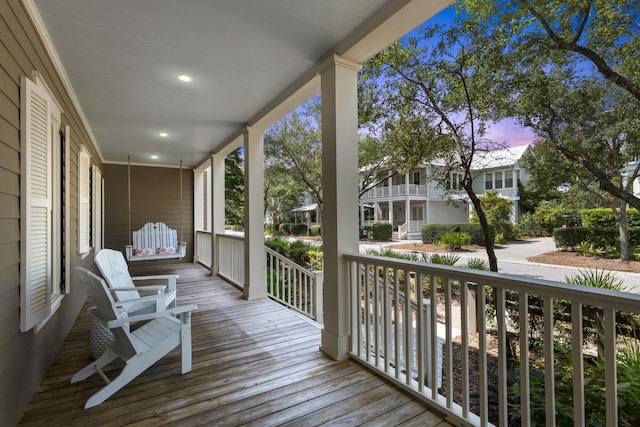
<point>624,238</point>
<point>484,223</point>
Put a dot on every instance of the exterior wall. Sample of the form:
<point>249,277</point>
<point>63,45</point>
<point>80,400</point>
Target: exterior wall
<point>25,357</point>
<point>444,212</point>
<point>155,196</point>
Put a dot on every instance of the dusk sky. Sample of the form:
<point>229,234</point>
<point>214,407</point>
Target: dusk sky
<point>507,131</point>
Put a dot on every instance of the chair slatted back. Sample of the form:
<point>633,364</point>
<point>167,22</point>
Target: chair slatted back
<point>107,310</point>
<point>114,268</point>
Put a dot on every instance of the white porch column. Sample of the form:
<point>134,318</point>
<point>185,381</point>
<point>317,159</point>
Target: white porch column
<point>407,206</point>
<point>339,80</point>
<point>216,208</point>
<point>376,208</point>
<point>390,203</point>
<point>255,285</point>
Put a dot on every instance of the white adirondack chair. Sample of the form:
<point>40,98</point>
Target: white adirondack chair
<point>115,271</point>
<point>139,349</point>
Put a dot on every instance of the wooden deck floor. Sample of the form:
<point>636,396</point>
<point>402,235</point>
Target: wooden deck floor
<point>254,363</point>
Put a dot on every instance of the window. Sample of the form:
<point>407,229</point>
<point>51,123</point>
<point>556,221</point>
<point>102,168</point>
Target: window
<point>455,181</point>
<point>508,179</point>
<point>488,181</point>
<point>416,177</point>
<point>44,199</point>
<point>498,180</point>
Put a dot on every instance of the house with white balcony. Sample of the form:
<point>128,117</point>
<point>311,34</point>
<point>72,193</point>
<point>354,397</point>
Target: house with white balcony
<point>422,196</point>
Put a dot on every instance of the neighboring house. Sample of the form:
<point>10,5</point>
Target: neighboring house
<point>308,213</point>
<point>422,194</point>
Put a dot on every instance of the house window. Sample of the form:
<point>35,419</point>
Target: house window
<point>498,180</point>
<point>454,181</point>
<point>508,179</point>
<point>416,178</point>
<point>416,213</point>
<point>488,181</point>
<point>44,198</point>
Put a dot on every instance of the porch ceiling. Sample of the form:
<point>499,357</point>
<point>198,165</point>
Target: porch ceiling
<point>246,57</point>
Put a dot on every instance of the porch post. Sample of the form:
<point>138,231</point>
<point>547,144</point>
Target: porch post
<point>216,208</point>
<point>255,285</point>
<point>339,80</point>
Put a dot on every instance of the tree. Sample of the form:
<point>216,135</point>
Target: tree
<point>434,97</point>
<point>234,189</point>
<point>588,50</point>
<point>293,147</point>
<point>281,194</point>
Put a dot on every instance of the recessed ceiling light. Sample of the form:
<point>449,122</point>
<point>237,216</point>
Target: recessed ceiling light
<point>154,157</point>
<point>185,78</point>
<point>163,134</point>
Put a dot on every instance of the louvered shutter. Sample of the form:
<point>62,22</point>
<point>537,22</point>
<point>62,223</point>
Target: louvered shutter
<point>35,195</point>
<point>84,201</point>
<point>97,209</point>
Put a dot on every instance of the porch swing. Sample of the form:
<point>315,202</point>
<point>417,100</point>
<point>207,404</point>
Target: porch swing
<point>154,241</point>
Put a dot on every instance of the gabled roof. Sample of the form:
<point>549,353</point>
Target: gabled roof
<point>498,158</point>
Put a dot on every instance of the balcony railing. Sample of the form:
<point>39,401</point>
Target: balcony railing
<point>395,191</point>
<point>203,248</point>
<point>564,342</point>
<point>231,255</point>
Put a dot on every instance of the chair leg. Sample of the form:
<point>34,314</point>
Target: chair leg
<point>107,357</point>
<point>185,341</point>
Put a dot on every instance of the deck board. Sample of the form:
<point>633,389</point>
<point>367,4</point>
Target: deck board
<point>254,363</point>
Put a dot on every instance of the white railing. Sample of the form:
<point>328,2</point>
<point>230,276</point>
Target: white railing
<point>388,312</point>
<point>415,225</point>
<point>294,286</point>
<point>203,248</point>
<point>231,255</point>
<point>395,191</point>
<point>403,229</point>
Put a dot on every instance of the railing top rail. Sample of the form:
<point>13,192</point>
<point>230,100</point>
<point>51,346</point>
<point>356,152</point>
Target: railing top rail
<point>605,298</point>
<point>288,262</point>
<point>230,236</point>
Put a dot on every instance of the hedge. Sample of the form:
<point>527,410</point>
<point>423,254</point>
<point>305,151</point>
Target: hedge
<point>432,233</point>
<point>296,229</point>
<point>382,231</point>
<point>604,217</point>
<point>601,237</point>
<point>314,230</point>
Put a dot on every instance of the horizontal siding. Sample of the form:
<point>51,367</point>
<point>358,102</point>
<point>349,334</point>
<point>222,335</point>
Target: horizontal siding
<point>24,357</point>
<point>155,197</point>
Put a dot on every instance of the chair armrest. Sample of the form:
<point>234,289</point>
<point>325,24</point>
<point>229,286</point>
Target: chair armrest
<point>159,289</point>
<point>141,317</point>
<point>170,278</point>
<point>160,302</point>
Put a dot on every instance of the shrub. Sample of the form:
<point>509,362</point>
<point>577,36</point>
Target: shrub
<point>568,238</point>
<point>365,231</point>
<point>382,231</point>
<point>604,218</point>
<point>551,217</point>
<point>315,230</point>
<point>454,240</point>
<point>298,229</point>
<point>602,279</point>
<point>443,259</point>
<point>477,264</point>
<point>527,226</point>
<point>432,233</point>
<point>285,228</point>
<point>498,212</point>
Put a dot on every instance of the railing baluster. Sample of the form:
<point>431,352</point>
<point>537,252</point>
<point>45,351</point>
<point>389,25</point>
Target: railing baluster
<point>448,339</point>
<point>611,380</point>
<point>464,324</point>
<point>525,404</point>
<point>420,327</point>
<point>397,319</point>
<point>387,318</point>
<point>549,368</point>
<point>500,301</point>
<point>408,348</point>
<point>482,356</point>
<point>367,311</point>
<point>376,315</point>
<point>433,324</point>
<point>578,365</point>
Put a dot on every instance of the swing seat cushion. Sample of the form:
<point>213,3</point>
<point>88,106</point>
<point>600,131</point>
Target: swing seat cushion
<point>144,252</point>
<point>167,250</point>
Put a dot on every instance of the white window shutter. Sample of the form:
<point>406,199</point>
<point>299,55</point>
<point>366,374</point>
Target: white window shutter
<point>35,195</point>
<point>97,208</point>
<point>84,201</point>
